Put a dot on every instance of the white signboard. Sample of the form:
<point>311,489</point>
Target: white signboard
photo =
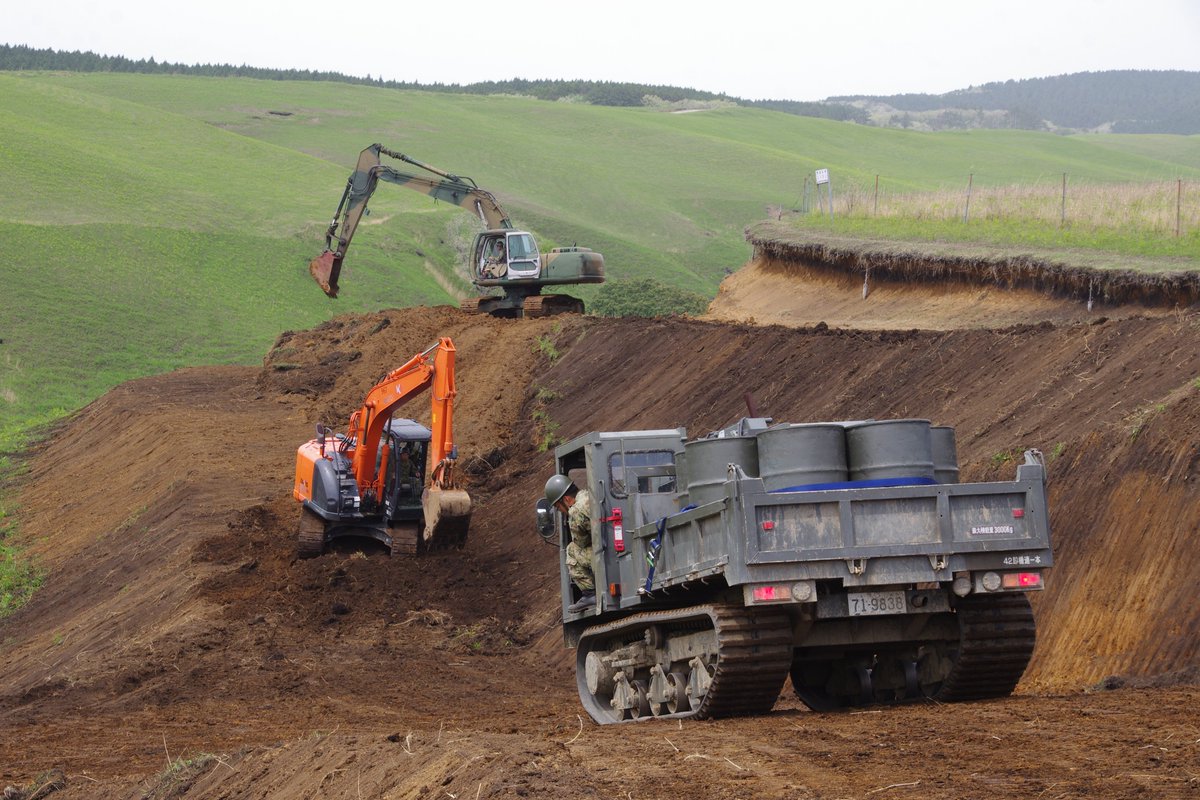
<point>822,176</point>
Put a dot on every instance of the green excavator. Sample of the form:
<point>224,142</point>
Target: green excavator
<point>502,257</point>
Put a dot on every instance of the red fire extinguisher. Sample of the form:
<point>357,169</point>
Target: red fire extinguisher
<point>618,530</point>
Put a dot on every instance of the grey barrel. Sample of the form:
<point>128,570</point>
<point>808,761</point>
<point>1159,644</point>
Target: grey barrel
<point>797,455</point>
<point>945,454</point>
<point>681,479</point>
<point>892,448</point>
<point>708,461</point>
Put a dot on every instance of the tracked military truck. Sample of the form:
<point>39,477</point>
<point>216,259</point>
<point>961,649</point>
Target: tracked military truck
<point>845,555</point>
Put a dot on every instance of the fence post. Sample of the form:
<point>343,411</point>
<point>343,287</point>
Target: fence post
<point>967,208</point>
<point>1062,219</point>
<point>1178,203</point>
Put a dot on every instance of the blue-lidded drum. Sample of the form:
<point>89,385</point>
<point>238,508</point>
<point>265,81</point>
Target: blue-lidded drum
<point>945,454</point>
<point>798,455</point>
<point>889,448</point>
<point>708,463</point>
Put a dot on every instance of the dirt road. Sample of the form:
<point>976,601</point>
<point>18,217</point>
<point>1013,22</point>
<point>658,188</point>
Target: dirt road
<point>179,649</point>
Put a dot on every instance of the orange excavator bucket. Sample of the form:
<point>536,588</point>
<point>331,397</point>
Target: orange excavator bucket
<point>324,269</point>
<point>447,518</point>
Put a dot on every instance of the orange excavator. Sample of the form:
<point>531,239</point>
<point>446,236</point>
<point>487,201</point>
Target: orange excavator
<point>387,479</point>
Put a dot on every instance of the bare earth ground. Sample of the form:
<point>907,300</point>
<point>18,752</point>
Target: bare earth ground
<point>179,649</point>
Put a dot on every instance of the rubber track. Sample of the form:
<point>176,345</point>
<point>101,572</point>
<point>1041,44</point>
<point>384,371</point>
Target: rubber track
<point>406,538</point>
<point>310,535</point>
<point>754,655</point>
<point>997,639</point>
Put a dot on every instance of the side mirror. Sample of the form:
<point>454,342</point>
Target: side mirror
<point>545,519</point>
<point>321,430</point>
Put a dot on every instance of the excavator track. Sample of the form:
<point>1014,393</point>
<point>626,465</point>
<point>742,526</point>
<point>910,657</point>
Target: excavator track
<point>310,535</point>
<point>996,640</point>
<point>998,635</point>
<point>406,538</point>
<point>471,304</point>
<point>753,652</point>
<point>546,305</point>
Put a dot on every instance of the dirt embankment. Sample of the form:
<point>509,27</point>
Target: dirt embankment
<point>800,278</point>
<point>176,628</point>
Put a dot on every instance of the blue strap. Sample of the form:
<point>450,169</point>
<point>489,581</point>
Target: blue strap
<point>875,483</point>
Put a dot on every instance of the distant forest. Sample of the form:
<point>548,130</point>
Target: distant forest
<point>1120,101</point>
<point>600,93</point>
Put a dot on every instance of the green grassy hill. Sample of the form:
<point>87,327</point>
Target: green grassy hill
<point>150,222</point>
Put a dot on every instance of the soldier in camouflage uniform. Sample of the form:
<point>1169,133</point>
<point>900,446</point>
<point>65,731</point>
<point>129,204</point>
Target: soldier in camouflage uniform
<point>576,503</point>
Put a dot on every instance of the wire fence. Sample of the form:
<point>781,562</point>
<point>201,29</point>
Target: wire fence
<point>1160,208</point>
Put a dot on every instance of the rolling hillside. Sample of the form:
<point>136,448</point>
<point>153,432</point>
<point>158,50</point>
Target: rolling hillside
<point>1121,101</point>
<point>153,221</point>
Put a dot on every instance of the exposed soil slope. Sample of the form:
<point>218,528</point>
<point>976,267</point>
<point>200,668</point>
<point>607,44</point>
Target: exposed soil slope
<point>177,627</point>
<point>797,293</point>
<point>1077,274</point>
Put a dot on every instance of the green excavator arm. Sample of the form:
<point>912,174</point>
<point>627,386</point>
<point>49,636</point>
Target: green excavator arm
<point>455,189</point>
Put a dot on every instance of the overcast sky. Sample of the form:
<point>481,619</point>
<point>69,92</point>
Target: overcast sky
<point>794,49</point>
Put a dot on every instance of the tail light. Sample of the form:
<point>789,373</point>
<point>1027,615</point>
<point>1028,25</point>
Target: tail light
<point>1023,580</point>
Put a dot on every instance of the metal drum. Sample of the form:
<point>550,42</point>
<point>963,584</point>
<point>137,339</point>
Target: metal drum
<point>890,448</point>
<point>708,461</point>
<point>681,479</point>
<point>797,455</point>
<point>945,454</point>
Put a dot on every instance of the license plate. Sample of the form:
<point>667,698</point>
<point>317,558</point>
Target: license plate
<point>866,604</point>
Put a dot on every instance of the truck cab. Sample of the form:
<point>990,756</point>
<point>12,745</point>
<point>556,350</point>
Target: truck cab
<point>631,478</point>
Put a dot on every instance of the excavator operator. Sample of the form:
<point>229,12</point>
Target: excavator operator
<point>496,264</point>
<point>406,470</point>
<point>576,503</point>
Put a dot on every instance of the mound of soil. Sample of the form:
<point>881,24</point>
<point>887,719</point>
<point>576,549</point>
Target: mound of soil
<point>179,648</point>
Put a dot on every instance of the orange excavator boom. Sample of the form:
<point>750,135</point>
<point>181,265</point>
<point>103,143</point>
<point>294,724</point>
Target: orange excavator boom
<point>433,370</point>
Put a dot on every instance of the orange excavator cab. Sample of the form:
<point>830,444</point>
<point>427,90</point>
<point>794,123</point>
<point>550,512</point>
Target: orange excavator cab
<point>362,484</point>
